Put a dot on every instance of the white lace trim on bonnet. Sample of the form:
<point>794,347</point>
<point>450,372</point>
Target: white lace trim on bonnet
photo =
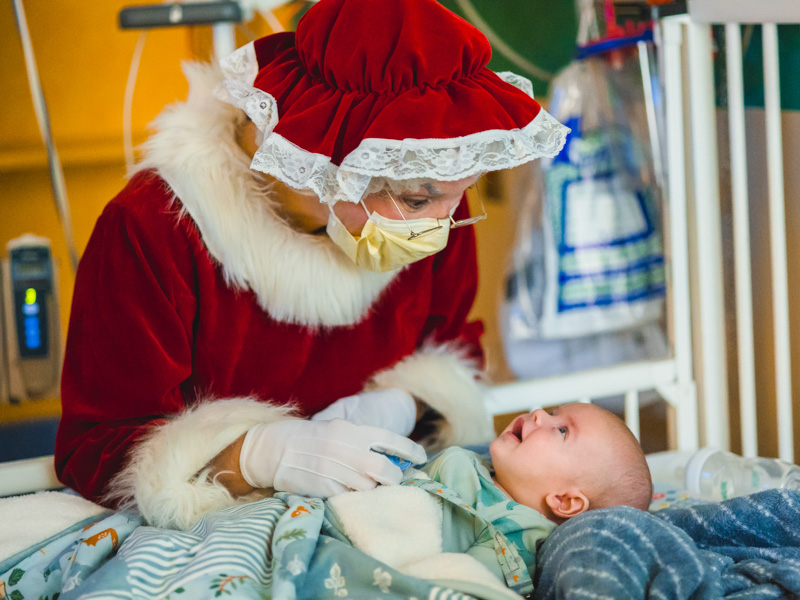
<point>436,159</point>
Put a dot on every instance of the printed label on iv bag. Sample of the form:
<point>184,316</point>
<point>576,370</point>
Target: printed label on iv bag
<point>604,262</point>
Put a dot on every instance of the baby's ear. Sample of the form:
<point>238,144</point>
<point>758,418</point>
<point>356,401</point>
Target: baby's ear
<point>567,505</point>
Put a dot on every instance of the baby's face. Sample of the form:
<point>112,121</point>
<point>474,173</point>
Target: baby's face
<point>541,453</point>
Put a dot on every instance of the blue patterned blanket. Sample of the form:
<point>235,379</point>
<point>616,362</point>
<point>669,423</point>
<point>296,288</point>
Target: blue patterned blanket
<point>743,549</point>
<point>274,548</point>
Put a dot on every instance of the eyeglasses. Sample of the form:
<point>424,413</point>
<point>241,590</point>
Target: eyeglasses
<point>453,223</point>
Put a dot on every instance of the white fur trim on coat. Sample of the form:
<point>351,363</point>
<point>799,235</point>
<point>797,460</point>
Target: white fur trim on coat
<point>441,377</point>
<point>166,477</point>
<point>297,277</point>
<point>365,518</point>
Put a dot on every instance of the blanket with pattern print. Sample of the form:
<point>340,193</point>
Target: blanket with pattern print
<point>274,548</point>
<point>743,548</point>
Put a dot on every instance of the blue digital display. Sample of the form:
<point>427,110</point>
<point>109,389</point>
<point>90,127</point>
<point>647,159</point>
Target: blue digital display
<point>33,333</point>
<point>32,283</point>
<point>31,317</point>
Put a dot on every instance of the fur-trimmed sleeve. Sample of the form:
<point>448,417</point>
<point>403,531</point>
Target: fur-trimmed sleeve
<point>166,476</point>
<point>447,380</point>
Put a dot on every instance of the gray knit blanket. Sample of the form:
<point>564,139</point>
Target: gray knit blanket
<point>745,548</point>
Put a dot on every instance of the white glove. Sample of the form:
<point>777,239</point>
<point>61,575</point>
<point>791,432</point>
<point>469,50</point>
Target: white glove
<point>324,458</point>
<point>391,409</point>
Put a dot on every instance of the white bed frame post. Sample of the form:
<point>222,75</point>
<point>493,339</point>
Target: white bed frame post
<point>780,286</point>
<point>684,397</point>
<point>741,233</point>
<point>705,166</point>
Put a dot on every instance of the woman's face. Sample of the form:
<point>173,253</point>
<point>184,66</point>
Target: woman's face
<point>432,200</point>
<point>435,199</point>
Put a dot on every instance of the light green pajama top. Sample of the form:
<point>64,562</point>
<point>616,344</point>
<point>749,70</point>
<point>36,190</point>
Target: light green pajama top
<point>465,473</point>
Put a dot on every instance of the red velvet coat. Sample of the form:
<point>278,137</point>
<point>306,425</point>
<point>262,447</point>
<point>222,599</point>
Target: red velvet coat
<point>199,312</point>
<point>155,327</point>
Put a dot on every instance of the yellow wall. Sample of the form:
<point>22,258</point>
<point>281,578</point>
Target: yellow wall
<point>83,59</point>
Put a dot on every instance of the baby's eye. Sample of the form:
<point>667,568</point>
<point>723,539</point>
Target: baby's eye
<point>563,431</point>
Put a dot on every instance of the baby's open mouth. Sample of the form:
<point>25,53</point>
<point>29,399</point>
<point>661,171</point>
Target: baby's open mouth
<point>517,428</point>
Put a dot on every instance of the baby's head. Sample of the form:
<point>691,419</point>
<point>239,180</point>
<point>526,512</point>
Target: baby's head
<point>577,458</point>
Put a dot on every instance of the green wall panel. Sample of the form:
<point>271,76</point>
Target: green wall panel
<point>753,66</point>
<point>534,38</point>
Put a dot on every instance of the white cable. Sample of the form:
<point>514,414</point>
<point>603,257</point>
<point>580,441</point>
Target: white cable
<point>127,105</point>
<point>274,23</point>
<point>43,119</point>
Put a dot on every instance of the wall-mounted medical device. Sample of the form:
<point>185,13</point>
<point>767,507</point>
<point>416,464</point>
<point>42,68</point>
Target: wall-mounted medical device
<point>179,13</point>
<point>31,319</point>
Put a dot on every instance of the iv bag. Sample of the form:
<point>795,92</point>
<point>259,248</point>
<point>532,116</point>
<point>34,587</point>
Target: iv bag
<point>587,282</point>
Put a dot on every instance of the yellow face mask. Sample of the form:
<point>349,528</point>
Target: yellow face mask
<point>384,244</point>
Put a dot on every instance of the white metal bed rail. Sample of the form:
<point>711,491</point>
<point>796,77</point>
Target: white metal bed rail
<point>28,475</point>
<point>626,380</point>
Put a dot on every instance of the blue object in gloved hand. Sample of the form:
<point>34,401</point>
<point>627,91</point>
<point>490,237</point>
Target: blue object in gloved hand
<point>400,462</point>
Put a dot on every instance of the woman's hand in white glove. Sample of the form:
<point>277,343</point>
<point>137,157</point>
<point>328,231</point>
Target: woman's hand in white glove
<point>323,458</point>
<point>391,409</point>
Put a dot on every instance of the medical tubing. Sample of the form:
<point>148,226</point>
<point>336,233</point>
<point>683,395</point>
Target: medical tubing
<point>43,120</point>
<point>127,104</point>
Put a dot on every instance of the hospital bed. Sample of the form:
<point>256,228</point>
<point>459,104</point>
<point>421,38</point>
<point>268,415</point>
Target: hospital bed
<point>694,381</point>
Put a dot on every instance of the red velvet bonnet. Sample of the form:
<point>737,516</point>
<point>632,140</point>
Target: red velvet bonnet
<point>392,88</point>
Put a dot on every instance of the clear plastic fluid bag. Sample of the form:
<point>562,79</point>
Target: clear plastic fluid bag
<point>713,474</point>
<point>587,283</point>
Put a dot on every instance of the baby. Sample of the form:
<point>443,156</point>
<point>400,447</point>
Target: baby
<point>576,458</point>
<point>546,468</point>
